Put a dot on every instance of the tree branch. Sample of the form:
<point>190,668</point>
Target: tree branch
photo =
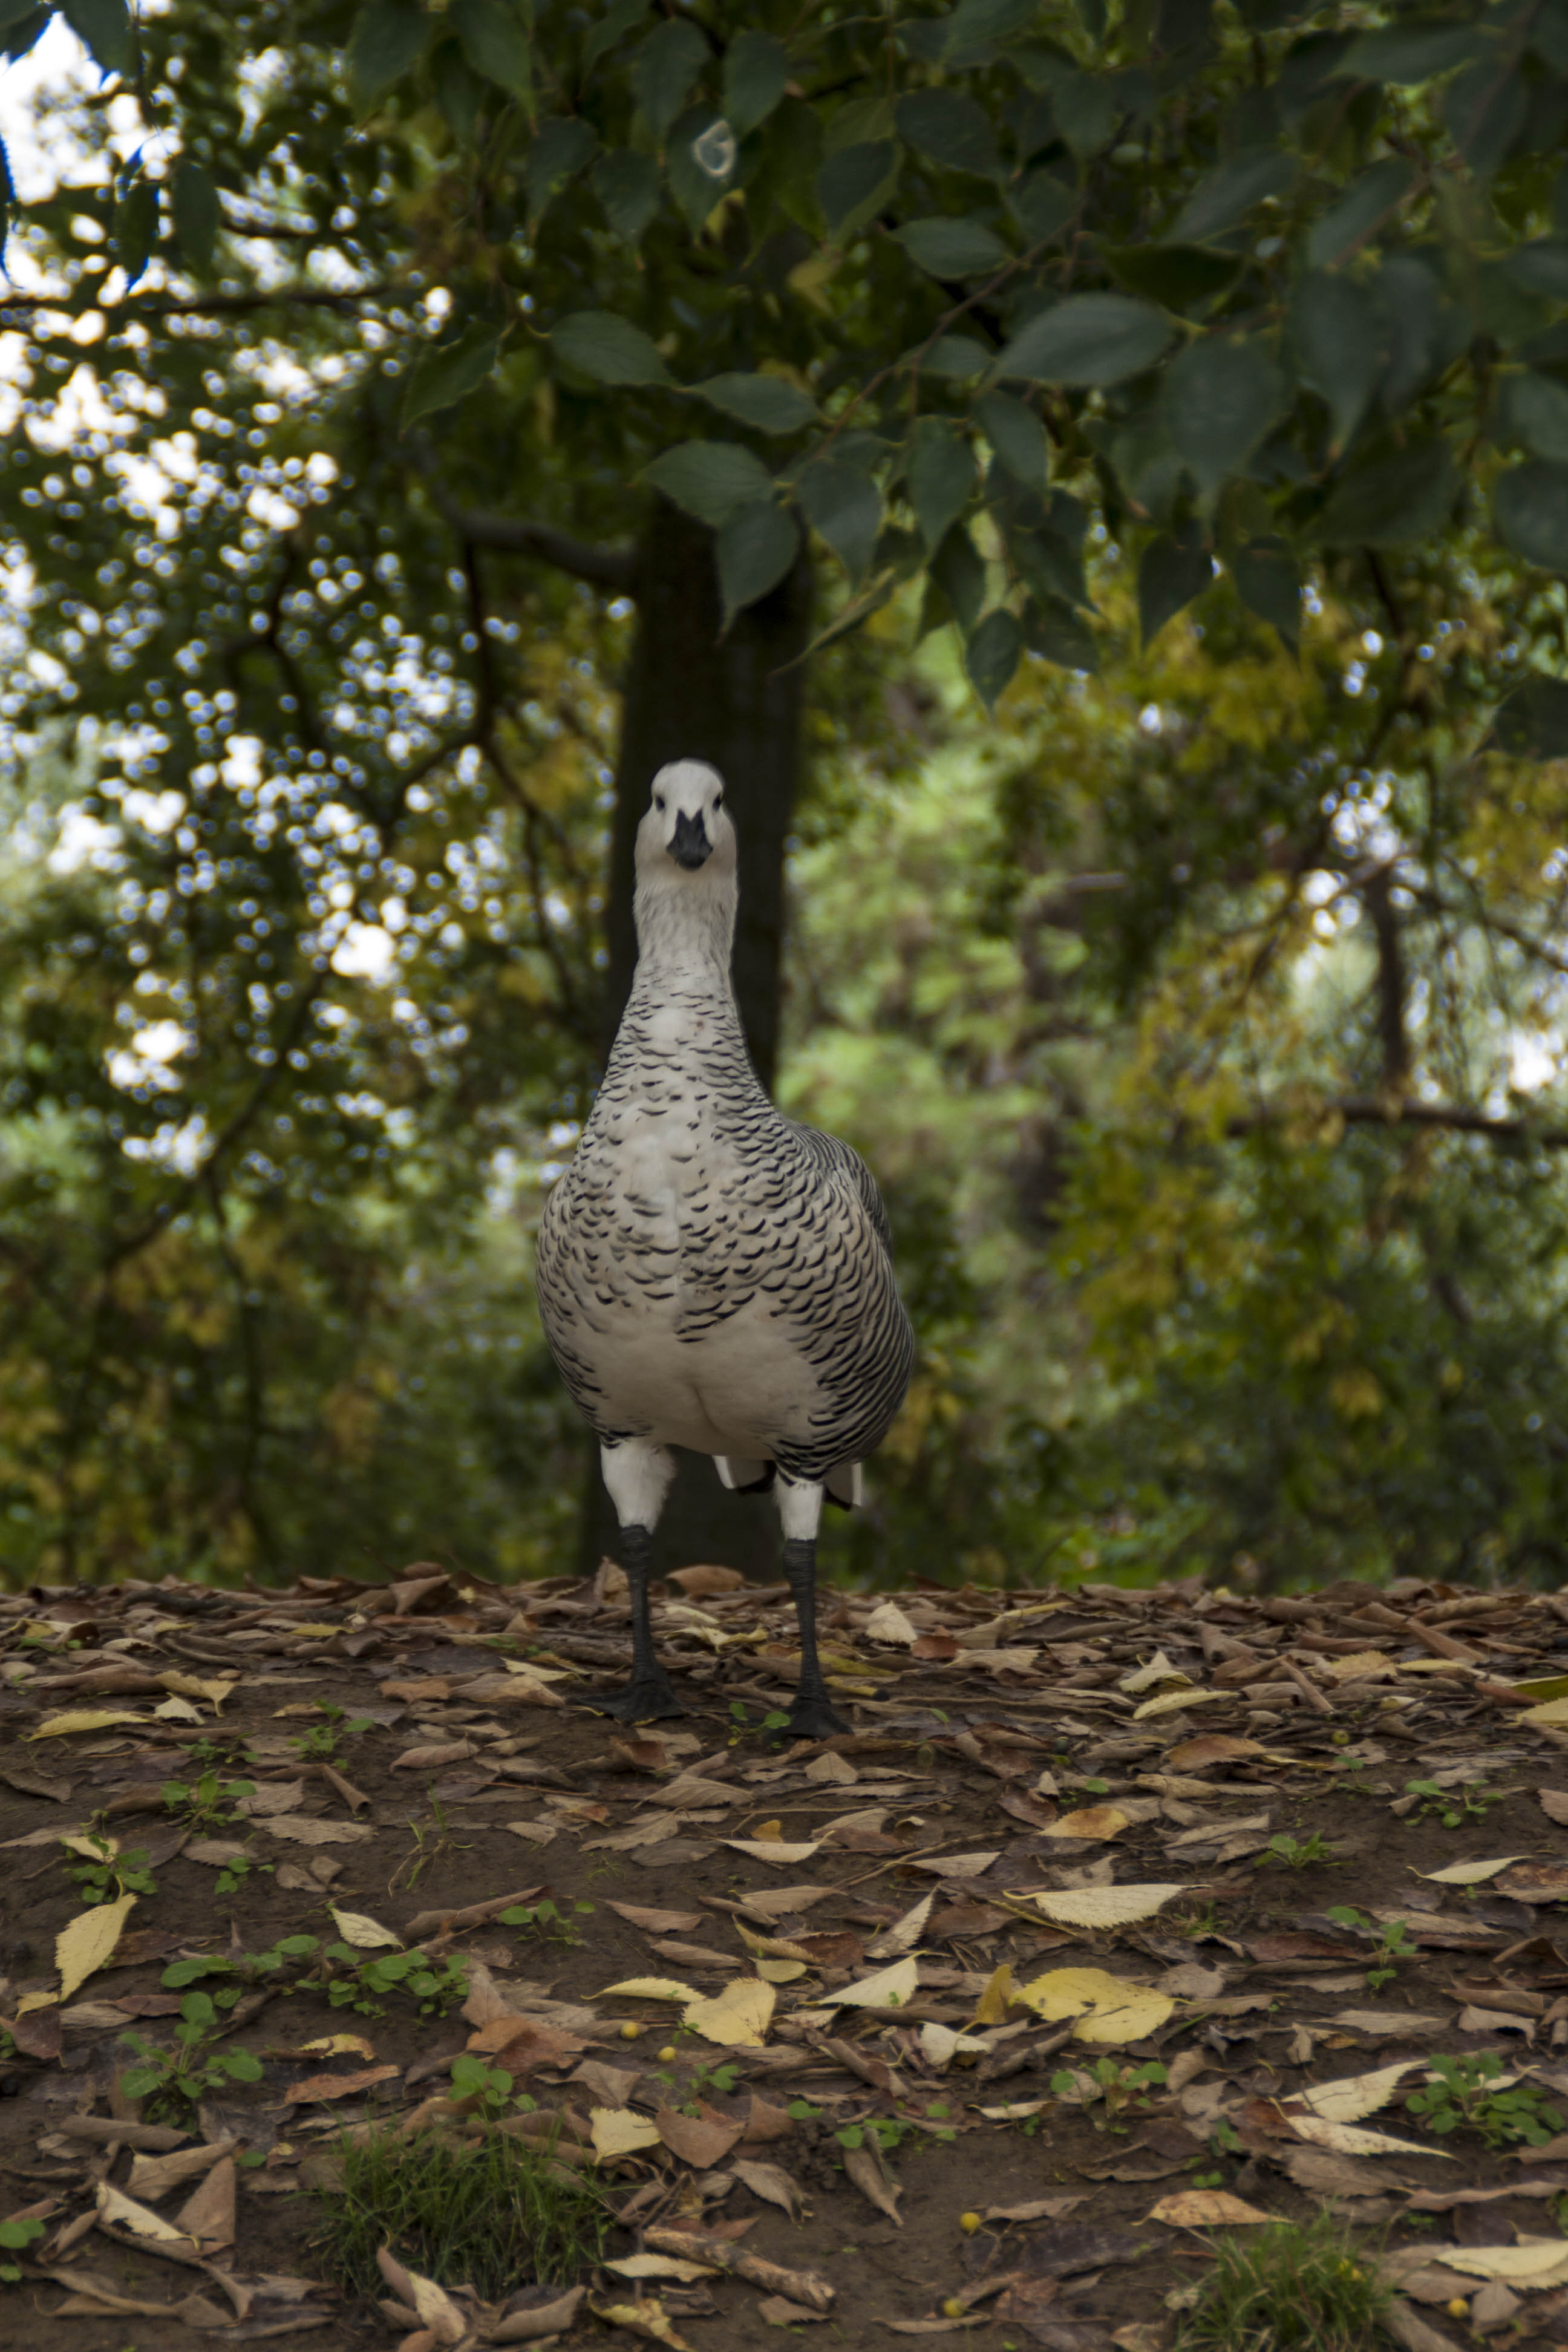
<point>1367,1110</point>
<point>614,568</point>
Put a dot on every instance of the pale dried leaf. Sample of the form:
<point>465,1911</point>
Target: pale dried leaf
<point>618,2132</point>
<point>1102,1906</point>
<point>365,1933</point>
<point>87,1941</point>
<point>1206,2208</point>
<point>737,2017</point>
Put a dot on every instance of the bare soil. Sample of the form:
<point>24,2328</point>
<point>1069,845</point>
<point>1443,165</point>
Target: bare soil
<point>981,1724</point>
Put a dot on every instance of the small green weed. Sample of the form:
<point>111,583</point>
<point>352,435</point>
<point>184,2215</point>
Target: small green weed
<point>1463,2099</point>
<point>1390,1944</point>
<point>319,1744</point>
<point>483,2216</point>
<point>105,1874</point>
<point>14,2236</point>
<point>1456,1808</point>
<point>1297,1853</point>
<point>1120,2090</point>
<point>206,1801</point>
<point>546,1920</point>
<point>190,2070</point>
<point>1286,2287</point>
<point>356,1983</point>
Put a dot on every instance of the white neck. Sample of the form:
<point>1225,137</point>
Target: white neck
<point>686,927</point>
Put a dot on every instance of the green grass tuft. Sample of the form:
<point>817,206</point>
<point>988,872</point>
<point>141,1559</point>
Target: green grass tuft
<point>493,2215</point>
<point>1289,2287</point>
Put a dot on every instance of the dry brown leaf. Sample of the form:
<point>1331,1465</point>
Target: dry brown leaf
<point>152,2177</point>
<point>868,2169</point>
<point>702,2140</point>
<point>777,1850</point>
<point>892,1988</point>
<point>427,1759</point>
<point>647,2318</point>
<point>658,1923</point>
<point>122,2212</point>
<point>664,2266</point>
<point>208,2214</point>
<point>1206,2208</point>
<point>308,1831</point>
<point>772,2183</point>
<point>777,2311</point>
<point>1093,1822</point>
<point>336,2086</point>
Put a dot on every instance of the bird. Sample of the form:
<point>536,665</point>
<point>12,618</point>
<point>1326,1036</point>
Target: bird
<point>710,1274</point>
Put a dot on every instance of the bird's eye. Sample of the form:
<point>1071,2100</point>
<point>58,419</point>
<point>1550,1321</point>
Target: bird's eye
<point>718,803</point>
<point>659,800</point>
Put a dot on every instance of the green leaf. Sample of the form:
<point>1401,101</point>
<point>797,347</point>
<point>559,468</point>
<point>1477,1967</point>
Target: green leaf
<point>958,358</point>
<point>192,200</point>
<point>387,40</point>
<point>1408,53</point>
<point>242,2066</point>
<point>1387,500</point>
<point>766,403</point>
<point>1176,275</point>
<point>1175,568</point>
<point>1018,436</point>
<point>1541,268</point>
<point>938,478</point>
<point>1089,339</point>
<point>757,544</point>
<point>844,507</point>
<point>699,158</point>
<point>666,71</point>
<point>609,348</point>
<point>562,145</point>
<point>494,44</point>
<point>1220,399</point>
<point>1340,338</point>
<point>1372,201</point>
<point>1049,566</point>
<point>459,93</point>
<point>628,187</point>
<point>1532,724</point>
<point>25,30</point>
<point>616,21</point>
<point>1086,108</point>
<point>993,653</point>
<point>710,478</point>
<point>756,68</point>
<point>1533,409</point>
<point>1425,330</point>
<point>1230,193</point>
<point>136,228</point>
<point>1058,635</point>
<point>959,573</point>
<point>1043,208</point>
<point>1485,110</point>
<point>1268,581</point>
<point>447,373</point>
<point>949,128</point>
<point>856,183</point>
<point>953,248</point>
<point>103,29</point>
<point>1531,503</point>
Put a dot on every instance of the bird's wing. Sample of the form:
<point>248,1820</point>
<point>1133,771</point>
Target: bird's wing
<point>829,1151</point>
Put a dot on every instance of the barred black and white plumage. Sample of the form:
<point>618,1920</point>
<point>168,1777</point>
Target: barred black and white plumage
<point>710,1274</point>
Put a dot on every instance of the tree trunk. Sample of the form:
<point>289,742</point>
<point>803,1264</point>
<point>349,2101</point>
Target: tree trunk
<point>734,699</point>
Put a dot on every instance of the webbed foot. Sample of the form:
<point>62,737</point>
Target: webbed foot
<point>640,1702</point>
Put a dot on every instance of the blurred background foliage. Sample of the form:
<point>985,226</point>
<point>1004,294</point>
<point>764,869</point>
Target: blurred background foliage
<point>1198,1004</point>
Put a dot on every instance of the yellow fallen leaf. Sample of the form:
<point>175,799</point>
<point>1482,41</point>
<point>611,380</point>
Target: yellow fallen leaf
<point>1206,2208</point>
<point>650,1989</point>
<point>1539,2261</point>
<point>215,1688</point>
<point>1093,1821</point>
<point>737,2017</point>
<point>648,2317</point>
<point>1554,1714</point>
<point>940,2045</point>
<point>177,1711</point>
<point>1172,1703</point>
<point>339,2045</point>
<point>1355,2095</point>
<point>1468,1874</point>
<point>773,1971</point>
<point>888,1623</point>
<point>86,1942</point>
<point>775,1850</point>
<point>889,1989</point>
<point>618,2132</point>
<point>32,2000</point>
<point>1108,2008</point>
<point>314,1632</point>
<point>84,1719</point>
<point>1354,2139</point>
<point>992,2008</point>
<point>114,2206</point>
<point>665,2266</point>
<point>357,1928</point>
<point>1159,1673</point>
<point>537,1673</point>
<point>1102,1906</point>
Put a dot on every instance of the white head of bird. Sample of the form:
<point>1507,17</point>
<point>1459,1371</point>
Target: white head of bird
<point>685,903</point>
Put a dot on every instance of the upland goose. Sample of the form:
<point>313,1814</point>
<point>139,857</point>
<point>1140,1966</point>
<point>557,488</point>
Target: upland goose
<point>711,1275</point>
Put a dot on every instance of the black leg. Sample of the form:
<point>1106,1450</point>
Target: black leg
<point>650,1691</point>
<point>813,1715</point>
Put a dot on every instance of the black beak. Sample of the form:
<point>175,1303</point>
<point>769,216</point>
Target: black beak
<point>691,848</point>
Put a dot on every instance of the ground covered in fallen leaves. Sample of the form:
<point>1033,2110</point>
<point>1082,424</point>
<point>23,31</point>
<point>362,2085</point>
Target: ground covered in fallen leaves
<point>1117,1918</point>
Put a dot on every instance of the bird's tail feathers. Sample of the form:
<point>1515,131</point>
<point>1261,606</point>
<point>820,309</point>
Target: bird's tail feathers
<point>743,1476</point>
<point>846,1485</point>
